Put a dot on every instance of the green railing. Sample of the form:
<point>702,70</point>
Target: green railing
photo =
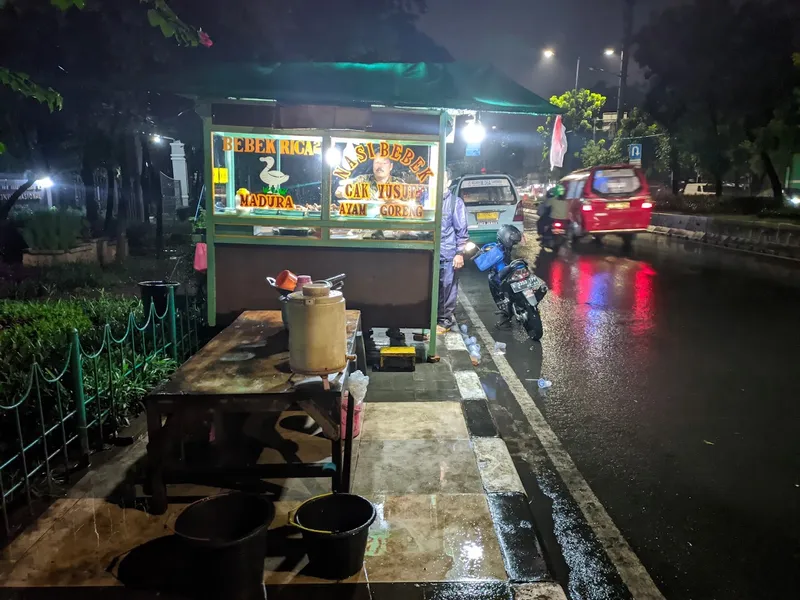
<point>61,417</point>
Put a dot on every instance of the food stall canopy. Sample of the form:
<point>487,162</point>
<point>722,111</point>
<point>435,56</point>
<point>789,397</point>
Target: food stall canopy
<point>457,86</point>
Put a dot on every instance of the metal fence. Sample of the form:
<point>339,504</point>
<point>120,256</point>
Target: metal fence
<point>62,416</point>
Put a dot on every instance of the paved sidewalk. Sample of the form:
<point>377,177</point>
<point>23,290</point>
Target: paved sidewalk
<point>453,517</point>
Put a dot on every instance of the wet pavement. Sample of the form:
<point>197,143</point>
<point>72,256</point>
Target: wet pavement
<point>675,393</point>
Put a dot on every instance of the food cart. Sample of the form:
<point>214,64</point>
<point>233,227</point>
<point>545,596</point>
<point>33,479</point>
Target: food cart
<point>323,168</point>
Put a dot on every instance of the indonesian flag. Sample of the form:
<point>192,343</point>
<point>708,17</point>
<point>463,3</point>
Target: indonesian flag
<point>558,147</point>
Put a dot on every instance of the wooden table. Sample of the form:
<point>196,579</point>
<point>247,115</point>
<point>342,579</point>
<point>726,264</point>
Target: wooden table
<point>245,369</point>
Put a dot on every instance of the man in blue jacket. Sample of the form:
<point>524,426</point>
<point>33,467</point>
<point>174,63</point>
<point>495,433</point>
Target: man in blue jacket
<point>451,258</point>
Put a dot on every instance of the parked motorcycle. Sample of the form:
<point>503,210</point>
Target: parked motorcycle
<point>516,291</point>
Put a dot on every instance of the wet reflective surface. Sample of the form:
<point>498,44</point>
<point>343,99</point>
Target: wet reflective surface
<point>675,391</point>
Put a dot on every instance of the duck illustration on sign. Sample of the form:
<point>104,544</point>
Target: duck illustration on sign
<point>272,178</point>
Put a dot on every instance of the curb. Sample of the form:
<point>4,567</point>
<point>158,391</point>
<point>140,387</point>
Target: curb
<point>526,565</point>
<point>730,242</point>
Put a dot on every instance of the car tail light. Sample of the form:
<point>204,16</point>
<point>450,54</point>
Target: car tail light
<point>647,205</point>
<point>587,207</point>
<point>518,214</point>
<point>556,224</point>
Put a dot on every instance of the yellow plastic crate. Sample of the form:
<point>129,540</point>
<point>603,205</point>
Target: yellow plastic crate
<point>398,358</point>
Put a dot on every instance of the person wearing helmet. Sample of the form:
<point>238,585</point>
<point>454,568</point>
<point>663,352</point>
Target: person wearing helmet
<point>554,206</point>
<point>455,236</point>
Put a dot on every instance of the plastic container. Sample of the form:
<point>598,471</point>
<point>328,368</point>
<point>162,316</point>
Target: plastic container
<point>286,280</point>
<point>317,330</point>
<point>301,281</point>
<point>356,416</point>
<point>335,530</point>
<point>229,533</point>
<point>490,257</point>
<point>156,292</point>
<point>544,383</point>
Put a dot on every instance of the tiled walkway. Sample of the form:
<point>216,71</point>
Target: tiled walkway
<point>453,519</point>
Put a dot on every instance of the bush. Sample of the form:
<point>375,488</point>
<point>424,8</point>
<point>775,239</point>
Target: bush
<point>53,230</point>
<point>712,205</point>
<point>38,332</point>
<point>141,236</point>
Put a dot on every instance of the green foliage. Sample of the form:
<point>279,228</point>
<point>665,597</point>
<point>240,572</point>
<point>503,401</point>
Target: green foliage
<point>52,230</point>
<point>64,5</point>
<point>596,153</point>
<point>582,109</point>
<point>35,331</point>
<point>22,84</point>
<point>740,78</point>
<point>200,221</point>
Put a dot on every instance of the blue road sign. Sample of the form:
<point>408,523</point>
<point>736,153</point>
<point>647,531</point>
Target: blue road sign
<point>473,150</point>
<point>635,153</point>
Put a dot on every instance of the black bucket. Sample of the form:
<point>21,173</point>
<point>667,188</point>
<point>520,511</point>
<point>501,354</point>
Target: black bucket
<point>335,531</point>
<point>156,292</point>
<point>229,533</point>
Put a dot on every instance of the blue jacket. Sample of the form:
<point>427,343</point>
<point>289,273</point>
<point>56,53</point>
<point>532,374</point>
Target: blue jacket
<point>454,226</point>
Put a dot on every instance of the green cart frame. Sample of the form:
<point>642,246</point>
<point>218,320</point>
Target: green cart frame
<point>334,103</point>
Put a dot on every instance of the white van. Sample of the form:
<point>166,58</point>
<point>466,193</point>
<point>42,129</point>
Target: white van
<point>492,201</point>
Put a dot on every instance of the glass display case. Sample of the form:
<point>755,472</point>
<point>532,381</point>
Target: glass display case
<point>339,188</point>
<point>267,175</point>
<point>322,202</point>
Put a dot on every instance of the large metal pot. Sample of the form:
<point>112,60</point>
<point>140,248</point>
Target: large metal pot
<point>317,330</point>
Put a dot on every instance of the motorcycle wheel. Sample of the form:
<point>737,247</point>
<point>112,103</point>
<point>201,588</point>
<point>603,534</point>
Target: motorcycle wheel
<point>533,325</point>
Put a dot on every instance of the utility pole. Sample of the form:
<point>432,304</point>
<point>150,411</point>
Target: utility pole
<point>577,73</point>
<point>627,35</point>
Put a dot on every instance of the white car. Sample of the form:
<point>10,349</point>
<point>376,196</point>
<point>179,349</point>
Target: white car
<point>491,202</point>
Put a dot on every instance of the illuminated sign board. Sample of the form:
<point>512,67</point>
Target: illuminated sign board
<point>393,151</point>
<point>271,146</point>
<point>275,201</point>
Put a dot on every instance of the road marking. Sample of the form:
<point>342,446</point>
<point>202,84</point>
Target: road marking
<point>469,385</point>
<point>630,568</point>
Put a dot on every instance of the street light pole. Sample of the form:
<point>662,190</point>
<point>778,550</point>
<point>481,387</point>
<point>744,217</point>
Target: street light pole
<point>622,69</point>
<point>577,73</point>
<point>627,34</point>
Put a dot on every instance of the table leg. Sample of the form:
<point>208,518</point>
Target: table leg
<point>156,447</point>
<point>348,444</point>
<point>361,353</point>
<point>336,456</point>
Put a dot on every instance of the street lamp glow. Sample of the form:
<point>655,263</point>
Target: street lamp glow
<point>474,132</point>
<point>44,183</point>
<point>608,52</point>
<point>333,156</point>
<point>157,139</point>
<point>548,53</point>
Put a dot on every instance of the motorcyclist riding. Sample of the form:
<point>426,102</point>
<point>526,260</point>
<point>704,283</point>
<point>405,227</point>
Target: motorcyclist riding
<point>554,206</point>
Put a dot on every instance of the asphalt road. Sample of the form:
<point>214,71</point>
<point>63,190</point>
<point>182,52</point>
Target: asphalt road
<point>676,393</point>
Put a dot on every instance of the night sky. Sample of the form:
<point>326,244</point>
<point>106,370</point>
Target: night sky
<point>511,34</point>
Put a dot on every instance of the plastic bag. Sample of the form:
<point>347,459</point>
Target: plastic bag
<point>201,257</point>
<point>357,386</point>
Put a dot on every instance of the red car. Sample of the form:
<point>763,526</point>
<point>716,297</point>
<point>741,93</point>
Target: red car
<point>609,199</point>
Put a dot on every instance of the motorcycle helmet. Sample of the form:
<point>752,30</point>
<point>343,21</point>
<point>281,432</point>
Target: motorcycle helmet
<point>509,236</point>
<point>556,191</point>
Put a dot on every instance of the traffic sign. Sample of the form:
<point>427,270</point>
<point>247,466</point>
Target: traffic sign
<point>473,149</point>
<point>635,154</point>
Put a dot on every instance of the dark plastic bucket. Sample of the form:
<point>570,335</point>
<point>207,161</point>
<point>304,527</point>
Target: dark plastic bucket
<point>335,531</point>
<point>156,292</point>
<point>229,533</point>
